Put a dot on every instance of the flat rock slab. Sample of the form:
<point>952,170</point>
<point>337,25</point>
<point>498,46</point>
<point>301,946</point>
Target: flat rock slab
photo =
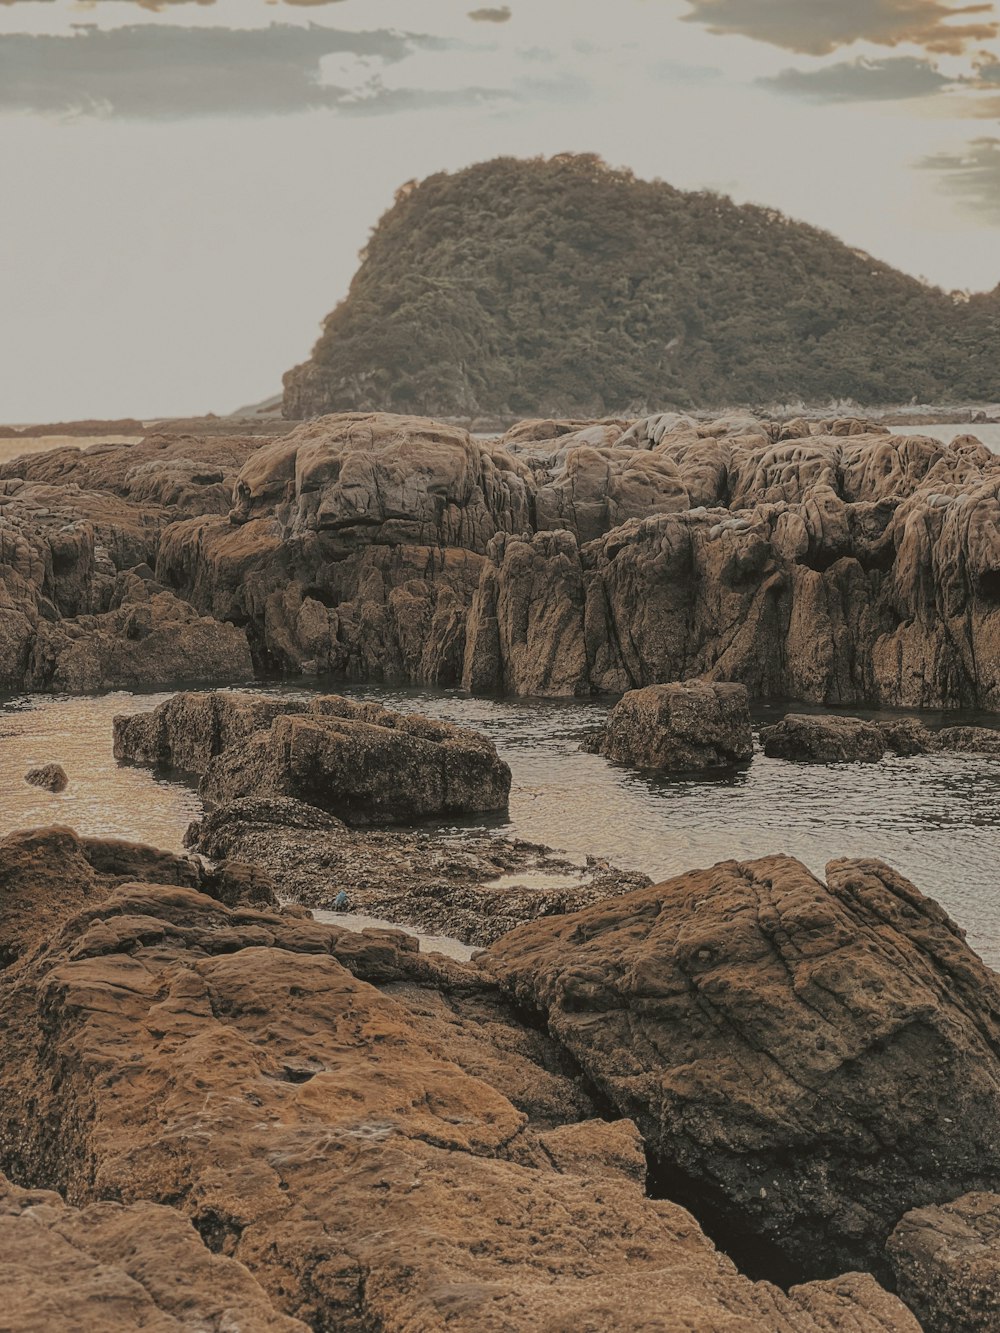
<point>354,759</point>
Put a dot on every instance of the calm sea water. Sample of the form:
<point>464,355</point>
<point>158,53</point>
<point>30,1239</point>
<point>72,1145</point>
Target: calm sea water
<point>935,818</point>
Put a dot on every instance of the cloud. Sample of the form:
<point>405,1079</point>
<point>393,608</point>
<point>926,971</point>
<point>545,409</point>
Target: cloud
<point>502,14</point>
<point>166,72</point>
<point>893,79</point>
<point>972,175</point>
<point>818,27</point>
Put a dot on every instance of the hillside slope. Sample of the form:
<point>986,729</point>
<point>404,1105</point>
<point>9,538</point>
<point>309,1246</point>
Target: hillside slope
<point>564,287</point>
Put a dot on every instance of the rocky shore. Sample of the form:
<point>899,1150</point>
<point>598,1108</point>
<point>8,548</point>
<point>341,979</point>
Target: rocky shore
<point>829,562</point>
<point>747,1099</point>
<point>328,1129</point>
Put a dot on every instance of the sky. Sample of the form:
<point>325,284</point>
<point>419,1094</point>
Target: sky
<point>185,185</point>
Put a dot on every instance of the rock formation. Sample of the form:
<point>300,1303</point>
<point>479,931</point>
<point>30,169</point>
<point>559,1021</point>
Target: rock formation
<point>947,1264</point>
<point>835,738</point>
<point>474,890</point>
<point>368,1130</point>
<point>49,874</point>
<point>110,1268</point>
<point>812,1060</point>
<point>356,759</point>
<point>680,728</point>
<point>828,562</point>
<point>824,739</point>
<point>50,777</point>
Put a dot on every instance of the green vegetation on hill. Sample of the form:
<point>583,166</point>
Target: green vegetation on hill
<point>562,286</point>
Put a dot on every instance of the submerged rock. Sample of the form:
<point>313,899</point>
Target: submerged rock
<point>947,1264</point>
<point>356,759</point>
<point>680,727</point>
<point>818,739</point>
<point>114,1268</point>
<point>357,1146</point>
<point>51,777</point>
<point>811,1060</point>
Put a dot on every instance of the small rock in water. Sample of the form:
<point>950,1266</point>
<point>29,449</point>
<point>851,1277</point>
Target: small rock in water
<point>50,776</point>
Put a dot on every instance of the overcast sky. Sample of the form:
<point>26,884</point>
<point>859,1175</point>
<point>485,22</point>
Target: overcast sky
<point>185,184</point>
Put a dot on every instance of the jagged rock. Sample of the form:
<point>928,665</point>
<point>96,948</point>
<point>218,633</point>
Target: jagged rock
<point>947,1264</point>
<point>356,759</point>
<point>826,739</point>
<point>51,777</point>
<point>379,479</point>
<point>111,1268</point>
<point>48,874</point>
<point>811,1060</point>
<point>680,727</point>
<point>316,1129</point>
<point>968,740</point>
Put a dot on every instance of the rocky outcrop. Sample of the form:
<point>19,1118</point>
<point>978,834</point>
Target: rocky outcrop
<point>473,891</point>
<point>680,728</point>
<point>819,739</point>
<point>81,608</point>
<point>49,874</point>
<point>50,777</point>
<point>356,759</point>
<point>110,1268</point>
<point>327,1109</point>
<point>947,1264</point>
<point>831,738</point>
<point>828,562</point>
<point>812,1060</point>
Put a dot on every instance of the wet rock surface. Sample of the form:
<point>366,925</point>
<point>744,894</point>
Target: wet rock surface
<point>815,1058</point>
<point>111,1268</point>
<point>366,1129</point>
<point>680,728</point>
<point>473,890</point>
<point>50,777</point>
<point>947,1264</point>
<point>824,740</point>
<point>356,759</point>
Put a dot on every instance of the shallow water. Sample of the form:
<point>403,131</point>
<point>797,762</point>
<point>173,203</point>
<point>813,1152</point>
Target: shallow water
<point>935,818</point>
<point>428,943</point>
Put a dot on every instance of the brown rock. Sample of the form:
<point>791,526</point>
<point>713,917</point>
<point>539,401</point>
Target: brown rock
<point>809,1060</point>
<point>827,739</point>
<point>49,874</point>
<point>947,1264</point>
<point>110,1268</point>
<point>354,758</point>
<point>51,777</point>
<point>680,727</point>
<point>316,1130</point>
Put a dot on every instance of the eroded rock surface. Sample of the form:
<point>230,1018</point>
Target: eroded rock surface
<point>48,874</point>
<point>110,1268</point>
<point>814,1058</point>
<point>315,1128</point>
<point>680,728</point>
<point>350,757</point>
<point>947,1264</point>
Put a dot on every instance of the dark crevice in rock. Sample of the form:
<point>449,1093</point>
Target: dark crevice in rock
<point>754,1255</point>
